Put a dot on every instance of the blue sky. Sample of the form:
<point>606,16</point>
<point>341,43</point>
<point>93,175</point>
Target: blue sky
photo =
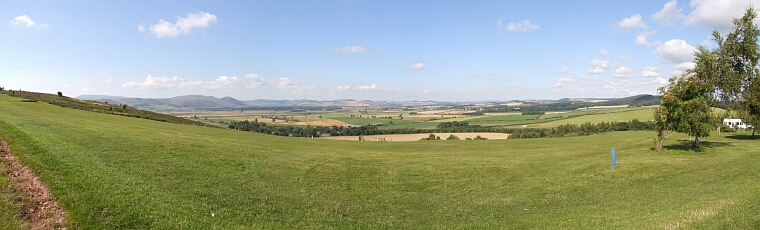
<point>378,50</point>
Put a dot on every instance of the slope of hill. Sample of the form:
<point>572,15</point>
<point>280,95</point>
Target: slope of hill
<point>118,172</point>
<point>99,107</point>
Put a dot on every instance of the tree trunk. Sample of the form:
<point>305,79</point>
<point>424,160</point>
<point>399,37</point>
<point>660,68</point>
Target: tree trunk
<point>753,131</point>
<point>696,143</point>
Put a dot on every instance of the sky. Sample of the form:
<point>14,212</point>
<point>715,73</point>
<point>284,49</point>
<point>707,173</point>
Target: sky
<point>376,50</point>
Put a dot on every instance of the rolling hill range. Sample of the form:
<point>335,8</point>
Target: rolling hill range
<point>118,172</point>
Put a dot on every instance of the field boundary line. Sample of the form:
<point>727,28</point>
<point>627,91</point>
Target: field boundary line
<point>38,209</point>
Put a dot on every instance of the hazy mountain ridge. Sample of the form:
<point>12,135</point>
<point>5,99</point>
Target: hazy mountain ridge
<point>211,102</point>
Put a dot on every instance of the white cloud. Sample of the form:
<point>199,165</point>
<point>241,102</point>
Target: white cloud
<point>598,67</point>
<point>634,22</point>
<point>669,14</point>
<point>562,81</point>
<point>222,82</point>
<point>675,51</point>
<point>25,20</point>
<point>473,75</point>
<point>603,52</point>
<point>281,83</point>
<point>183,25</point>
<point>684,66</point>
<point>141,28</point>
<point>623,72</point>
<point>155,83</point>
<point>289,85</point>
<point>715,13</point>
<point>641,38</point>
<point>523,25</point>
<point>367,87</point>
<point>373,86</point>
<point>563,70</point>
<point>624,58</point>
<point>706,43</point>
<point>417,66</point>
<point>651,72</point>
<point>350,49</point>
<point>159,83</point>
<point>492,74</point>
<point>255,80</point>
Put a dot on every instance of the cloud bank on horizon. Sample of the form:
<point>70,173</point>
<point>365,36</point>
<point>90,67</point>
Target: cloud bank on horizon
<point>368,50</point>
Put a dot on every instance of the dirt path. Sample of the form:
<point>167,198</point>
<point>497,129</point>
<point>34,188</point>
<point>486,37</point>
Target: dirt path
<point>38,209</point>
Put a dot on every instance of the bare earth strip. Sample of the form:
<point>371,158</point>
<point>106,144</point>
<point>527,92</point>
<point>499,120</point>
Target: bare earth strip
<point>39,209</point>
<point>418,136</point>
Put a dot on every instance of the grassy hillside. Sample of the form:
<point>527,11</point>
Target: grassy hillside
<point>119,172</point>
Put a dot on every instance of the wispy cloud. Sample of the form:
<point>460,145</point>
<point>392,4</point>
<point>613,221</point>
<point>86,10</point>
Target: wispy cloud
<point>25,20</point>
<point>350,49</point>
<point>634,22</point>
<point>521,26</point>
<point>161,83</point>
<point>182,26</point>
<point>598,67</point>
<point>373,86</point>
<point>417,66</point>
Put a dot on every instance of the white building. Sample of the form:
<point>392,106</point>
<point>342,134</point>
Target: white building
<point>734,123</point>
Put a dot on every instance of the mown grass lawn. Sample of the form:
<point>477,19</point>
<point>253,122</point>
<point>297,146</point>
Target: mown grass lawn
<point>115,172</point>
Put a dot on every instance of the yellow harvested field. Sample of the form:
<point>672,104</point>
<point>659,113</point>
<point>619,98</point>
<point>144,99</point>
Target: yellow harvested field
<point>418,136</point>
<point>321,122</point>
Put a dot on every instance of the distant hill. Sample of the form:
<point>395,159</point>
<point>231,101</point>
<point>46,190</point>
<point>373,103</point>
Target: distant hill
<point>638,100</point>
<point>187,101</point>
<point>99,97</point>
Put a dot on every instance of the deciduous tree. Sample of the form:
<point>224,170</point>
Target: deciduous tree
<point>684,108</point>
<point>735,68</point>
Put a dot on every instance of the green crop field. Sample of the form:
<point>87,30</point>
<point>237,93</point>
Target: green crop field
<point>644,114</point>
<point>113,172</point>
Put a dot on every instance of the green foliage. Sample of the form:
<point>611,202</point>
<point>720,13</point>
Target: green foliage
<point>477,138</point>
<point>452,137</point>
<point>684,108</point>
<point>733,67</point>
<point>431,137</point>
<point>453,124</point>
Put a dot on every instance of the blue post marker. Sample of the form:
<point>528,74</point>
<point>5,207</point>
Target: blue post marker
<point>613,157</point>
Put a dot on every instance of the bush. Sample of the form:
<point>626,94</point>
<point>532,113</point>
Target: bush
<point>452,137</point>
<point>480,138</point>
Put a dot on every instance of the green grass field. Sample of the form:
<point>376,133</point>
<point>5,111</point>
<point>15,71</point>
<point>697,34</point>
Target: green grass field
<point>113,172</point>
<point>8,212</point>
<point>643,114</point>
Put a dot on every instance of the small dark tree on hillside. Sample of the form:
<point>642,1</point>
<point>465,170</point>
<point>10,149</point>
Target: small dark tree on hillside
<point>60,94</point>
